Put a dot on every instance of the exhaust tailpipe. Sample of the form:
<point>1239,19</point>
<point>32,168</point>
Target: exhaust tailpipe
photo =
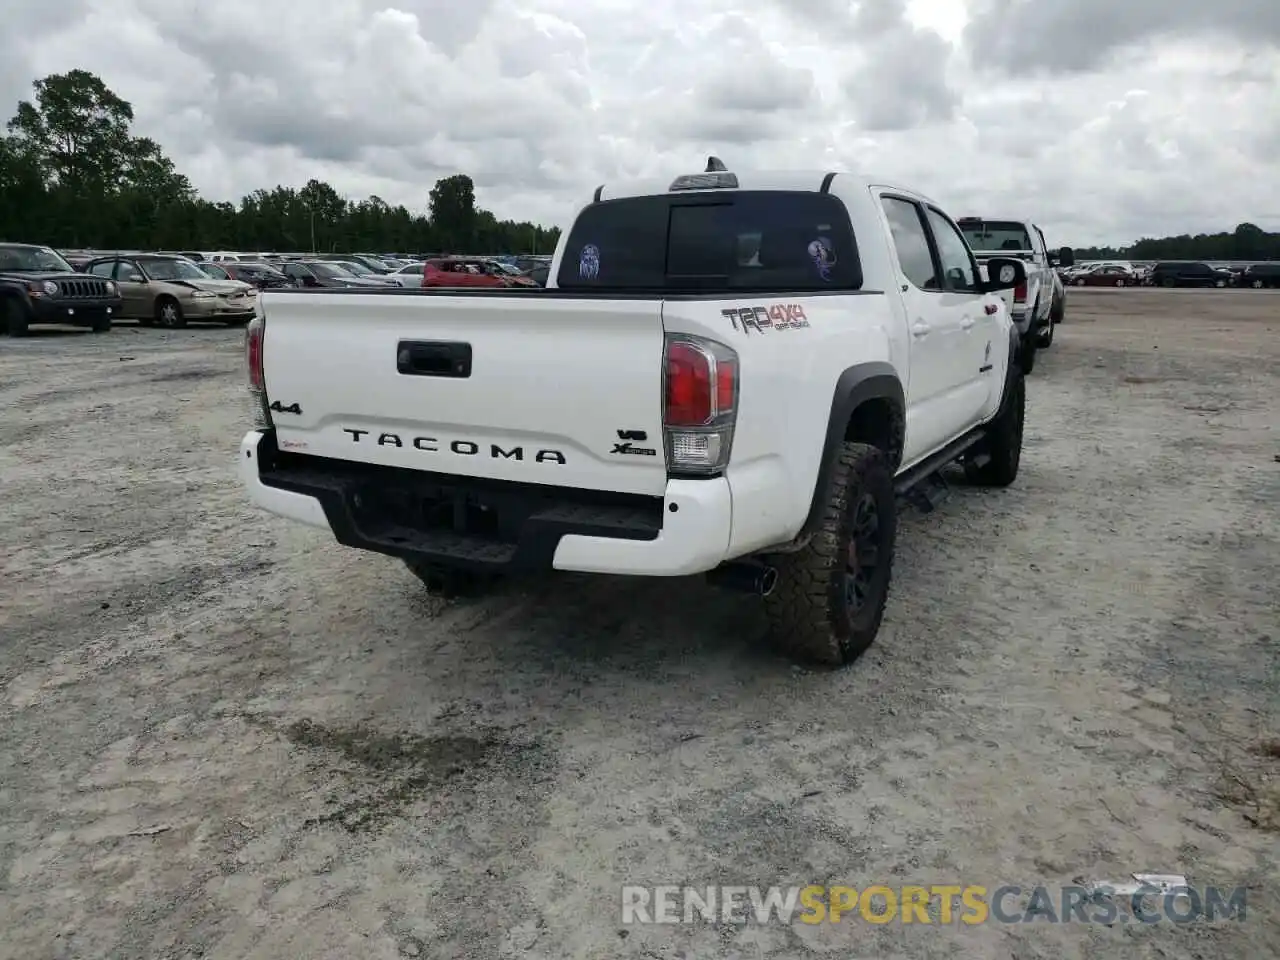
<point>744,577</point>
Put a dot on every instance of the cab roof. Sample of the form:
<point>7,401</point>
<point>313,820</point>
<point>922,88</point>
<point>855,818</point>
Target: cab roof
<point>800,180</point>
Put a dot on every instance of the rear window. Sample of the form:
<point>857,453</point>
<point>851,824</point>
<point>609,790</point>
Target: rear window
<point>995,235</point>
<point>764,241</point>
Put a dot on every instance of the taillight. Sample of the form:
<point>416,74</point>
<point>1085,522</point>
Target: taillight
<point>1020,293</point>
<point>254,341</point>
<point>700,404</point>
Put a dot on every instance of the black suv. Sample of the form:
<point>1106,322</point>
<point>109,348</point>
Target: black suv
<point>1259,275</point>
<point>38,286</point>
<point>1188,274</point>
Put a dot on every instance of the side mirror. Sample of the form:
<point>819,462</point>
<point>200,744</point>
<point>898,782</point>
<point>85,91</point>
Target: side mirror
<point>1004,273</point>
<point>1066,257</point>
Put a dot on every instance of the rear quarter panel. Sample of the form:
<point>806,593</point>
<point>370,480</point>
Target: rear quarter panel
<point>790,360</point>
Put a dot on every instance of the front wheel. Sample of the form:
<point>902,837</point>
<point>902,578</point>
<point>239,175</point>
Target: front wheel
<point>1003,444</point>
<point>1219,283</point>
<point>829,598</point>
<point>1046,336</point>
<point>13,317</point>
<point>1029,350</point>
<point>102,324</point>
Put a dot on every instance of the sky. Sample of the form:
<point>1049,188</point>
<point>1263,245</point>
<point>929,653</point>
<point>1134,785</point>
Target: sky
<point>1102,121</point>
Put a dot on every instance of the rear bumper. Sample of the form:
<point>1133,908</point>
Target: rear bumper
<point>465,523</point>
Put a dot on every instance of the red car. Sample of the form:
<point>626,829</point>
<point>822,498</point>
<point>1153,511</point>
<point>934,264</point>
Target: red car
<point>468,272</point>
<point>1106,277</point>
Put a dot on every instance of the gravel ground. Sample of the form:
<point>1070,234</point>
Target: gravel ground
<point>228,737</point>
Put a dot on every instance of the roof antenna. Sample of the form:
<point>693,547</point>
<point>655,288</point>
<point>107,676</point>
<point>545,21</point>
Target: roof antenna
<point>716,165</point>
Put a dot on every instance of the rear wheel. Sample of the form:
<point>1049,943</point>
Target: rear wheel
<point>830,597</point>
<point>169,313</point>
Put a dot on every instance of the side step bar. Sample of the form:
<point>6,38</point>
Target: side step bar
<point>926,468</point>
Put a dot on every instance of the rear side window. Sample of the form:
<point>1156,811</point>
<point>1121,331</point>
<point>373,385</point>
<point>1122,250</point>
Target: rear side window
<point>911,242</point>
<point>779,241</point>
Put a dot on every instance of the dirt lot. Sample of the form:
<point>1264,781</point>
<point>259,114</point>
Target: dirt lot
<point>227,737</point>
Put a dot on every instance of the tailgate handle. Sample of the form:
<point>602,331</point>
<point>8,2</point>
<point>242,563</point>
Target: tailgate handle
<point>433,358</point>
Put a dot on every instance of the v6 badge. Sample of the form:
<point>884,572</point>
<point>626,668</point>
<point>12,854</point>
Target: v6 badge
<point>626,444</point>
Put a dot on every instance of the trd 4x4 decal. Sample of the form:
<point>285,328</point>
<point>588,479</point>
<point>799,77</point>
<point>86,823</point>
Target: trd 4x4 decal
<point>772,316</point>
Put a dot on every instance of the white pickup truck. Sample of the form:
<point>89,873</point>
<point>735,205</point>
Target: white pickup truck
<point>730,374</point>
<point>1038,304</point>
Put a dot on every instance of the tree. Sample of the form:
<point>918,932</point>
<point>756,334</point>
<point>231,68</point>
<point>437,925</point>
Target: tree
<point>324,207</point>
<point>77,127</point>
<point>72,174</point>
<point>453,211</point>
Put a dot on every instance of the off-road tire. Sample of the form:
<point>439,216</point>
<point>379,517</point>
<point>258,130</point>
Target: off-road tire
<point>1030,346</point>
<point>101,324</point>
<point>809,609</point>
<point>449,583</point>
<point>1045,340</point>
<point>1003,443</point>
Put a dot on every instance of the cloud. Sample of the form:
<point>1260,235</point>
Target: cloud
<point>1073,36</point>
<point>1105,122</point>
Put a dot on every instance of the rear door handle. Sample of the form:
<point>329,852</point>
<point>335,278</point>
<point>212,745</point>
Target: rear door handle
<point>920,329</point>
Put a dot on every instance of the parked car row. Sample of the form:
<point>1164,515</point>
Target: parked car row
<point>168,289</point>
<point>1172,273</point>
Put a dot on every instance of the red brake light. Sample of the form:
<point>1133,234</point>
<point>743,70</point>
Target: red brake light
<point>689,401</point>
<point>701,393</point>
<point>1020,293</point>
<point>253,354</point>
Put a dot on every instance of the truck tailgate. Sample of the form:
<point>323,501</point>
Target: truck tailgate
<point>528,388</point>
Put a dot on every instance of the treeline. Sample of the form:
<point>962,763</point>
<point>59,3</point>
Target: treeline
<point>1245,242</point>
<point>72,174</point>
